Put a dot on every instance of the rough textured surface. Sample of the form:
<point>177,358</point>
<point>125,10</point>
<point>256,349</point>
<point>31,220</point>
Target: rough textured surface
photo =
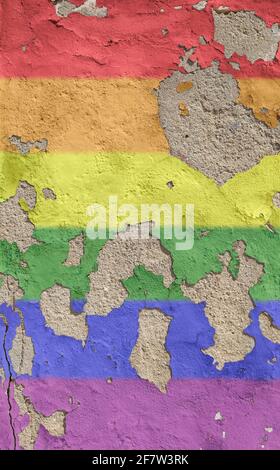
<point>244,33</point>
<point>76,251</point>
<point>149,356</point>
<point>54,424</point>
<point>87,8</point>
<point>9,290</point>
<point>25,147</point>
<point>15,224</point>
<point>263,97</point>
<point>22,352</point>
<point>55,306</point>
<point>235,140</point>
<point>268,329</point>
<point>116,262</point>
<point>93,96</point>
<point>127,104</point>
<point>228,305</point>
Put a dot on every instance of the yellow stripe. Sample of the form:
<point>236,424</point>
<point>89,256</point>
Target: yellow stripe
<point>80,180</point>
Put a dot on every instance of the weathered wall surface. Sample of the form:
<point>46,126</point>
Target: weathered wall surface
<point>128,343</point>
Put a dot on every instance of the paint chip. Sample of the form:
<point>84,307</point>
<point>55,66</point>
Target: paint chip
<point>65,8</point>
<point>25,147</point>
<point>218,416</point>
<point>200,5</point>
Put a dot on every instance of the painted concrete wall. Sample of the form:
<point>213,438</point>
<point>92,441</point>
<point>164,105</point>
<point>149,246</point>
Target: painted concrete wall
<point>128,343</point>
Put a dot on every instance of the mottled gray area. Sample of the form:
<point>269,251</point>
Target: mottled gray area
<point>215,134</point>
<point>25,147</point>
<point>246,34</point>
<point>88,8</point>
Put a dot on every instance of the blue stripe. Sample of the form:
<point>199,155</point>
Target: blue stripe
<point>112,338</point>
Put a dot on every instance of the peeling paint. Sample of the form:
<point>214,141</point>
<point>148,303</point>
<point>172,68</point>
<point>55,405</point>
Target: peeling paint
<point>54,424</point>
<point>55,306</point>
<point>76,251</point>
<point>231,128</point>
<point>88,8</point>
<point>228,305</point>
<point>149,356</point>
<point>116,262</point>
<point>244,33</point>
<point>268,328</point>
<point>25,147</point>
<point>15,224</point>
<point>22,352</point>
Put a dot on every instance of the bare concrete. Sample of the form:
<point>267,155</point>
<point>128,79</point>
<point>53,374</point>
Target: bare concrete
<point>2,375</point>
<point>55,306</point>
<point>22,352</point>
<point>25,147</point>
<point>9,290</point>
<point>246,34</point>
<point>228,305</point>
<point>64,8</point>
<point>15,225</point>
<point>217,136</point>
<point>268,329</point>
<point>149,356</point>
<point>200,5</point>
<point>76,251</point>
<point>276,200</point>
<point>54,424</point>
<point>116,262</point>
<point>48,193</point>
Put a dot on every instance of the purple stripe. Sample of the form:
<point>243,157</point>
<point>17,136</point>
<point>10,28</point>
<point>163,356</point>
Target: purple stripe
<point>133,414</point>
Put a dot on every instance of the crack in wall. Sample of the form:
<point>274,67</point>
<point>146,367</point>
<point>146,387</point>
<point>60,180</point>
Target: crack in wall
<point>8,390</point>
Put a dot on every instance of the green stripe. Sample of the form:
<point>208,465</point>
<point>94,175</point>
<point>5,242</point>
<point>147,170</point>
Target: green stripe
<point>45,263</point>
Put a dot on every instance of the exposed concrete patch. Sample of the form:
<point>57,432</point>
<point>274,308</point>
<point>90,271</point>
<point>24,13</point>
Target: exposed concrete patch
<point>200,5</point>
<point>2,375</point>
<point>219,137</point>
<point>15,225</point>
<point>48,193</point>
<point>9,290</point>
<point>276,200</point>
<point>235,65</point>
<point>244,33</point>
<point>25,147</point>
<point>228,305</point>
<point>186,62</point>
<point>22,352</point>
<point>76,251</point>
<point>54,424</point>
<point>218,416</point>
<point>268,329</point>
<point>202,40</point>
<point>64,8</point>
<point>149,356</point>
<point>116,262</point>
<point>55,306</point>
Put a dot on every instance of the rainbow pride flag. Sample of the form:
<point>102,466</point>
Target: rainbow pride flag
<point>128,343</point>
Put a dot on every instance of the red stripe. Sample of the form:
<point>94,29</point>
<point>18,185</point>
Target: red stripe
<point>129,42</point>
